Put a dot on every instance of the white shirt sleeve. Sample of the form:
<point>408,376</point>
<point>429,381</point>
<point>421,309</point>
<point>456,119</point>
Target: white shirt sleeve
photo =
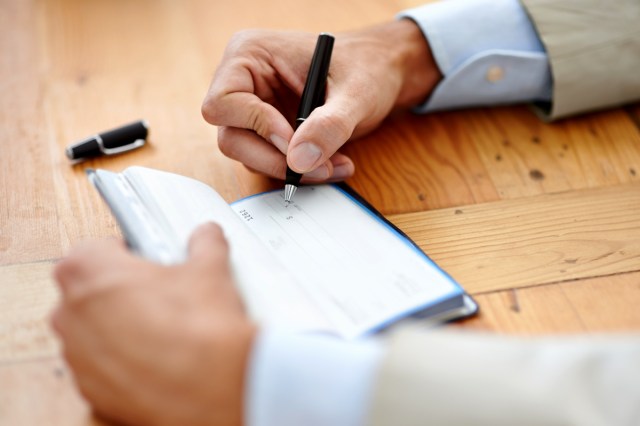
<point>310,380</point>
<point>488,53</point>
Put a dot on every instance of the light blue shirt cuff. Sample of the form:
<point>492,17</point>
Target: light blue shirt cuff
<point>310,380</point>
<point>488,53</point>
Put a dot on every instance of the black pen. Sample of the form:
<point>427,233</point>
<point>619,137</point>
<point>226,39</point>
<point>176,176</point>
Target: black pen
<point>312,97</point>
<point>111,142</point>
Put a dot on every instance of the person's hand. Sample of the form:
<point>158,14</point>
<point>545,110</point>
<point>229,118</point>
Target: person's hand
<point>255,92</point>
<point>155,345</point>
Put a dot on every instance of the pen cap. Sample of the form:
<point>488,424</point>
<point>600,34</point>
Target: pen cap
<point>87,148</point>
<point>315,87</point>
<point>126,134</point>
<point>116,141</point>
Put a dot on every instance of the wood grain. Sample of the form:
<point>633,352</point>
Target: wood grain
<point>532,157</point>
<point>28,208</point>
<point>535,240</point>
<point>41,393</point>
<point>413,163</point>
<point>27,298</point>
<point>592,305</point>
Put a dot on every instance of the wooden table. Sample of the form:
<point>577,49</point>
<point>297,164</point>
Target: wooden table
<point>541,223</point>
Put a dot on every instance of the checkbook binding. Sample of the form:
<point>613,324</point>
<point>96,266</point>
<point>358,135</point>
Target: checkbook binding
<point>326,263</point>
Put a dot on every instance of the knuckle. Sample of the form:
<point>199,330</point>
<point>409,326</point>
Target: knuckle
<point>368,101</point>
<point>225,142</point>
<point>257,120</point>
<point>212,106</point>
<point>209,110</point>
<point>273,170</point>
<point>243,40</point>
<point>339,126</point>
<point>278,170</point>
<point>56,321</point>
<point>65,269</point>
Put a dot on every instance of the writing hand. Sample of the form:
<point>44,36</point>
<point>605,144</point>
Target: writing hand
<point>255,93</point>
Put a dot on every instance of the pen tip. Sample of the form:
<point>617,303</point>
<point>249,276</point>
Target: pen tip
<point>289,190</point>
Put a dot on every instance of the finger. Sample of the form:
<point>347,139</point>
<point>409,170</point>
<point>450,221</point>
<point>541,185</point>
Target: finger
<point>208,246</point>
<point>343,167</point>
<point>75,273</point>
<point>231,101</point>
<point>339,167</point>
<point>209,264</point>
<point>251,150</point>
<point>322,134</point>
<point>248,148</point>
<point>56,320</point>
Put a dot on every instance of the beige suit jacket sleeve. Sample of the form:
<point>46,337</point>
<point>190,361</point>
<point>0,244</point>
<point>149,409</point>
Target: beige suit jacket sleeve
<point>453,378</point>
<point>594,50</point>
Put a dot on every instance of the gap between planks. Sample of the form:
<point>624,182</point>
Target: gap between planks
<point>531,241</point>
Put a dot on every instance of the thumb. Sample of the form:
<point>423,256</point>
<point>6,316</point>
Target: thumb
<point>321,135</point>
<point>209,260</point>
<point>208,247</point>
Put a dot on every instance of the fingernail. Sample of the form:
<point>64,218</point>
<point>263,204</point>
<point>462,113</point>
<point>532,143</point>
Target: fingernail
<point>321,173</point>
<point>279,142</point>
<point>304,156</point>
<point>342,171</point>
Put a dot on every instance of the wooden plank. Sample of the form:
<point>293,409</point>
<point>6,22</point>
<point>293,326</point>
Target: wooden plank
<point>529,311</point>
<point>28,215</point>
<point>456,158</point>
<point>525,156</point>
<point>608,303</point>
<point>593,305</point>
<point>27,297</point>
<point>607,146</point>
<point>533,241</point>
<point>331,16</point>
<point>42,393</point>
<point>413,163</point>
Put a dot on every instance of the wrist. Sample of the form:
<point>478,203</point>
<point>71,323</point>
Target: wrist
<point>420,73</point>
